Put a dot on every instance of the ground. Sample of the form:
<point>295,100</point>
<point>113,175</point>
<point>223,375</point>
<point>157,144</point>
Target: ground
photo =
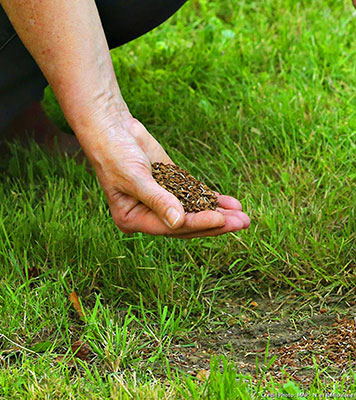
<point>257,99</point>
<point>329,337</point>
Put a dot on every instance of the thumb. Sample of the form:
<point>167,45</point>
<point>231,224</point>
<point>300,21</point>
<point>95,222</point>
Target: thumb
<point>164,204</point>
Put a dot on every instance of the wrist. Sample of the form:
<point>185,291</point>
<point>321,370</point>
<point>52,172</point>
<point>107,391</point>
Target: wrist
<point>99,113</point>
<point>97,135</point>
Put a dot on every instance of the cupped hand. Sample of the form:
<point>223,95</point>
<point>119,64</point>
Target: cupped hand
<point>122,160</point>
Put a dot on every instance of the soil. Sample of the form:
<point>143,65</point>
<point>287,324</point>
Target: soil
<point>327,337</point>
<point>194,195</point>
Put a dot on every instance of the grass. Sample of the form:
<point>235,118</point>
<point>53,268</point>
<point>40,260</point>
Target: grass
<point>256,98</point>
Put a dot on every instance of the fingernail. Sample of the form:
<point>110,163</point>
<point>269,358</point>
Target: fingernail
<point>172,217</point>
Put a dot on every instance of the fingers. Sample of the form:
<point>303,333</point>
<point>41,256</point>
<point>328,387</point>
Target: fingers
<point>166,206</point>
<point>232,224</point>
<point>205,223</point>
<point>228,202</point>
<point>132,216</point>
<point>234,221</point>
<point>141,219</point>
<point>238,214</point>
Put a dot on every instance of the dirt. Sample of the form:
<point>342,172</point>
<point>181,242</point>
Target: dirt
<point>327,337</point>
<point>194,195</point>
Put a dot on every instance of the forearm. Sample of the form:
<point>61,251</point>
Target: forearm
<point>67,40</point>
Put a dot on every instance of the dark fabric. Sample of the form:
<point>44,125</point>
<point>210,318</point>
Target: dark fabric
<point>21,81</point>
<point>125,20</point>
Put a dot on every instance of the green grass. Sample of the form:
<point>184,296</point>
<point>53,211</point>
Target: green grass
<point>256,98</point>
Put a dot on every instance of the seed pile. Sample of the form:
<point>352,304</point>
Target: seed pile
<point>335,349</point>
<point>194,195</point>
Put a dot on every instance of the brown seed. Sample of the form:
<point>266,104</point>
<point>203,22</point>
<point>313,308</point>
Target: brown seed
<point>194,195</point>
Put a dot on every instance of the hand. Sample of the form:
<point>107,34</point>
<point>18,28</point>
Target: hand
<point>122,160</point>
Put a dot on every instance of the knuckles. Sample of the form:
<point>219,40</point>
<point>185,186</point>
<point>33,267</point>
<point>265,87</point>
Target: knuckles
<point>135,124</point>
<point>122,221</point>
<point>156,199</point>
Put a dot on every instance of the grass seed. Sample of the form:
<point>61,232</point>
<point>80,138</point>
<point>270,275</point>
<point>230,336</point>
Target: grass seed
<point>194,195</point>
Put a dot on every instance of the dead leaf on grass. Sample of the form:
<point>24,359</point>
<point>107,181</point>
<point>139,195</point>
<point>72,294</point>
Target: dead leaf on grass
<point>80,350</point>
<point>31,273</point>
<point>203,375</point>
<point>74,299</point>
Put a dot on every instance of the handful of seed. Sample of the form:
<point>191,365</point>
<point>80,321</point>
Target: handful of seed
<point>194,195</point>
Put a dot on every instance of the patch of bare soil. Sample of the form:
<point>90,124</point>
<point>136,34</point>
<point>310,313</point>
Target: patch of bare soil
<point>331,341</point>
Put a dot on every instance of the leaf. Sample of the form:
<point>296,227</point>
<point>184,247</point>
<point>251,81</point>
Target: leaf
<point>41,347</point>
<point>80,350</point>
<point>203,375</point>
<point>30,273</point>
<point>74,299</point>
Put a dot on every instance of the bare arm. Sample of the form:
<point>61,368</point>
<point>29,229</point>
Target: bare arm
<point>67,40</point>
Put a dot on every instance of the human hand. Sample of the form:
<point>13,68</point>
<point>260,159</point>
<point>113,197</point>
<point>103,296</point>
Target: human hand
<point>122,160</point>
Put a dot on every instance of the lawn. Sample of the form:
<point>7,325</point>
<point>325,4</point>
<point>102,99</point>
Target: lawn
<point>258,100</point>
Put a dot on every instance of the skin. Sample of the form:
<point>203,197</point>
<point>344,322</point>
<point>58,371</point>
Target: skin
<point>67,40</point>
